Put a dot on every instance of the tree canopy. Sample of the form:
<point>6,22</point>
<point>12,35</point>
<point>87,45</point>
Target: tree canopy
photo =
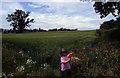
<point>105,8</point>
<point>19,20</point>
<point>109,29</point>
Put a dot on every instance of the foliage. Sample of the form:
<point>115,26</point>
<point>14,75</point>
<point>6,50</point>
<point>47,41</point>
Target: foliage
<point>108,24</point>
<point>109,30</point>
<point>110,35</point>
<point>102,60</point>
<point>37,30</point>
<point>108,39</point>
<point>111,24</point>
<point>105,8</point>
<point>43,49</point>
<point>82,60</point>
<point>19,20</point>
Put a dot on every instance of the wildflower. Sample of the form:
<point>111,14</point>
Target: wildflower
<point>73,52</point>
<point>70,56</point>
<point>81,53</point>
<point>78,56</point>
<point>82,56</point>
<point>77,63</point>
<point>80,59</point>
<point>83,48</point>
<point>93,50</point>
<point>75,49</point>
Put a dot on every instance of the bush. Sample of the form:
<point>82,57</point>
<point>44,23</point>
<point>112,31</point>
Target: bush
<point>108,34</point>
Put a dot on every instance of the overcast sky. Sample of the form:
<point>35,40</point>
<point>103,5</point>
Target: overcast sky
<point>48,15</point>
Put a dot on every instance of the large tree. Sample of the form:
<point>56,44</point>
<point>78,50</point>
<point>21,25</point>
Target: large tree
<point>105,8</point>
<point>19,20</point>
<point>112,27</point>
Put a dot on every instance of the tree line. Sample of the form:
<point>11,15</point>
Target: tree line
<point>35,30</point>
<point>20,20</point>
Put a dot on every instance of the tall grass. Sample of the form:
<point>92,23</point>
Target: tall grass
<point>43,49</point>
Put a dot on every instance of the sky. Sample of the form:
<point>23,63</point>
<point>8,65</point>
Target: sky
<point>49,15</point>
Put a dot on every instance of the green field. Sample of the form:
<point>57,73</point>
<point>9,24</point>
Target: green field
<point>48,40</point>
<point>43,49</point>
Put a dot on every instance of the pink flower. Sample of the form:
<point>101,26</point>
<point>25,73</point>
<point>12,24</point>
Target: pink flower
<point>93,50</point>
<point>80,59</point>
<point>78,56</point>
<point>75,49</point>
<point>70,56</point>
<point>83,48</point>
<point>82,56</point>
<point>73,52</point>
<point>81,53</point>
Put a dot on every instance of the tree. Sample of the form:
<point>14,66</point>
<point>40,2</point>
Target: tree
<point>109,29</point>
<point>19,20</point>
<point>108,24</point>
<point>105,8</point>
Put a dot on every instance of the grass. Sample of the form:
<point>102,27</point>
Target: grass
<point>74,39</point>
<point>43,49</point>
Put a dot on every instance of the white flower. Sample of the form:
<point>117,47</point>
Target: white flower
<point>20,69</point>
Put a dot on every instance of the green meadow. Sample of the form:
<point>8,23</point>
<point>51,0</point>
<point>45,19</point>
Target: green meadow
<point>50,40</point>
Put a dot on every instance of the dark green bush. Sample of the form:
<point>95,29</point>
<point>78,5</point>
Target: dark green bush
<point>108,34</point>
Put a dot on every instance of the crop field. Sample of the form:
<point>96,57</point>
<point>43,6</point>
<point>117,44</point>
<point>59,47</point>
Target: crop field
<point>48,39</point>
<point>37,54</point>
